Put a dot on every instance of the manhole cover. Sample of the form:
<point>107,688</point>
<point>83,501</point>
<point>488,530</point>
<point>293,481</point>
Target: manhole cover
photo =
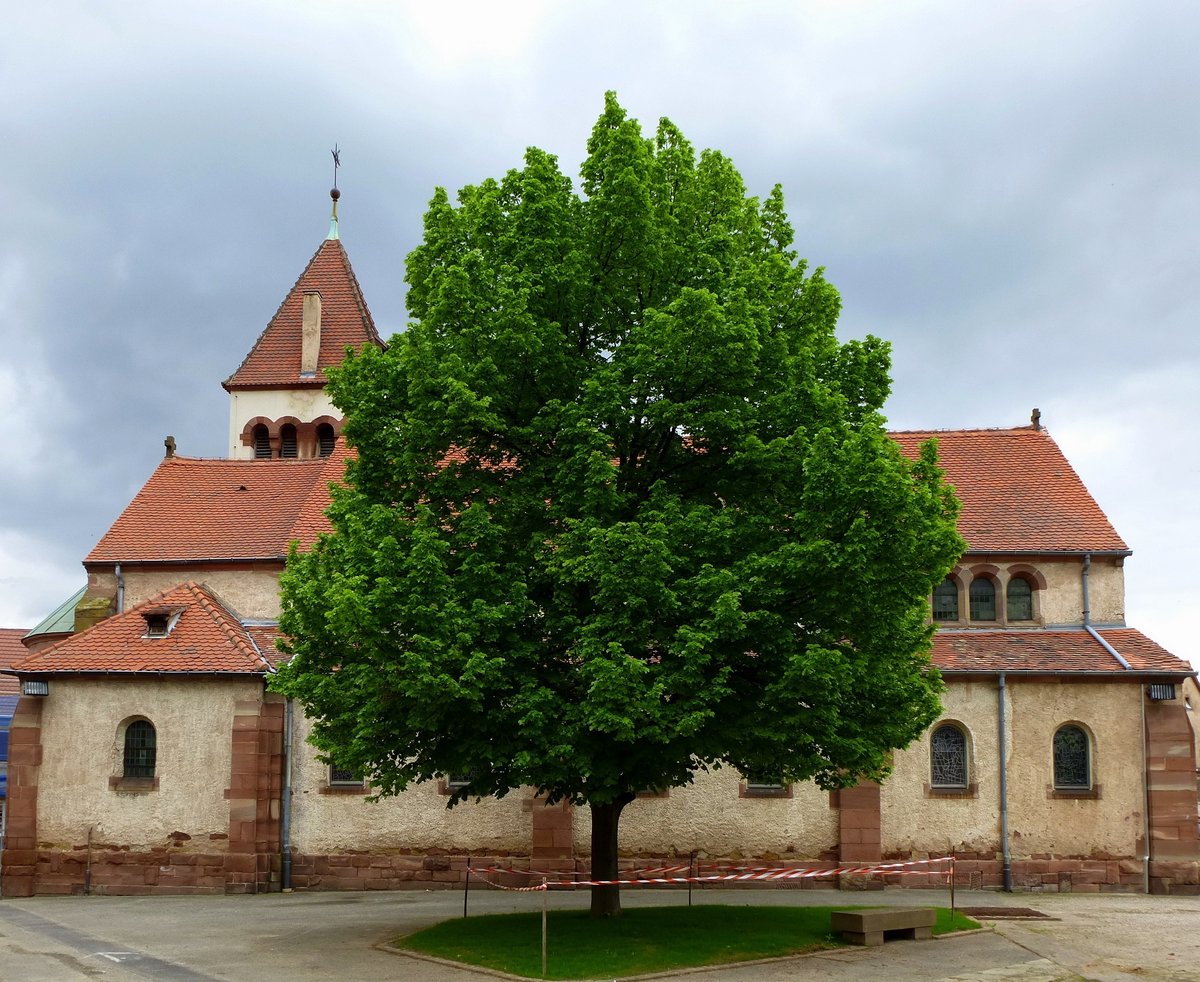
<point>997,913</point>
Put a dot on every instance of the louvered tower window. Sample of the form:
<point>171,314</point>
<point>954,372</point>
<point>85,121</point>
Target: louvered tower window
<point>287,440</point>
<point>262,443</point>
<point>325,439</point>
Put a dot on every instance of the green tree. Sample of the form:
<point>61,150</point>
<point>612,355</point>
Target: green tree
<point>622,507</point>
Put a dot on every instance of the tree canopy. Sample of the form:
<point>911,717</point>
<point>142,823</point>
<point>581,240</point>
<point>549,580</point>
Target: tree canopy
<point>622,506</point>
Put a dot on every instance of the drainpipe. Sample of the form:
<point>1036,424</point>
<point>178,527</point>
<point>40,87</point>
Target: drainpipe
<point>1004,790</point>
<point>1145,794</point>
<point>285,813</point>
<point>1087,621</point>
<point>120,590</point>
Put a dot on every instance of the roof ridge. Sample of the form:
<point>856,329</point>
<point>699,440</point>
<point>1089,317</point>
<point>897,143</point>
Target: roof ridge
<point>974,429</point>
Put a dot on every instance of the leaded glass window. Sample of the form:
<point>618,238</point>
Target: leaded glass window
<point>1020,600</point>
<point>1072,759</point>
<point>983,599</point>
<point>945,601</point>
<point>140,749</point>
<point>948,757</point>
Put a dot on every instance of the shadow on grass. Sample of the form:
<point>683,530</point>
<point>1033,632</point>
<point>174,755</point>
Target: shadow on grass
<point>641,940</point>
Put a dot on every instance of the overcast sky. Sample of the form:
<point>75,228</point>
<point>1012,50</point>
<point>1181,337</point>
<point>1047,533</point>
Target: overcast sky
<point>1005,191</point>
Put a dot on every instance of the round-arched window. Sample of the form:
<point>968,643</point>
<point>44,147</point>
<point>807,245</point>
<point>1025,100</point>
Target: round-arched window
<point>948,757</point>
<point>140,749</point>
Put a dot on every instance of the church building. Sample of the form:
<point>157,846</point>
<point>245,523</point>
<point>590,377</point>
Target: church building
<point>146,754</point>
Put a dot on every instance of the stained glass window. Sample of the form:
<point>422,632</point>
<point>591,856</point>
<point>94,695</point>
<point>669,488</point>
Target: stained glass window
<point>139,749</point>
<point>948,757</point>
<point>1072,764</point>
<point>983,599</point>
<point>1020,600</point>
<point>945,601</point>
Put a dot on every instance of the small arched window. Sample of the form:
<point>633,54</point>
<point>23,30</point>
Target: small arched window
<point>948,757</point>
<point>983,599</point>
<point>262,442</point>
<point>140,749</point>
<point>1020,599</point>
<point>325,439</point>
<point>1072,758</point>
<point>945,601</point>
<point>287,440</point>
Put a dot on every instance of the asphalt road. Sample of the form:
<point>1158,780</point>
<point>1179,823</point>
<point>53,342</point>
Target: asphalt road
<point>316,936</point>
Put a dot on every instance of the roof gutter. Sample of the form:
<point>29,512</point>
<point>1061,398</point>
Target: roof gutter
<point>1087,616</point>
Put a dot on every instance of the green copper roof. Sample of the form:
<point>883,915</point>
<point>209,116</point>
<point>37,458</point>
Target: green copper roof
<point>61,620</point>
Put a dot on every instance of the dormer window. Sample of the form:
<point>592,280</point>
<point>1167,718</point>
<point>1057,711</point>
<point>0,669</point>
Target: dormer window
<point>160,620</point>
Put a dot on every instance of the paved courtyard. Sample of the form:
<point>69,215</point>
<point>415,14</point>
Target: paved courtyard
<point>317,936</point>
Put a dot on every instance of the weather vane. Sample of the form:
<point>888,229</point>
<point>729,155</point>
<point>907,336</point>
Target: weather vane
<point>337,162</point>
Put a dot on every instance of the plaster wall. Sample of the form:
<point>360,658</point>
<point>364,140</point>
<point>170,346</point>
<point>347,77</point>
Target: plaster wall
<point>83,747</point>
<point>249,591</point>
<point>329,822</point>
<point>1041,823</point>
<point>304,404</point>
<point>1061,600</point>
<point>710,818</point>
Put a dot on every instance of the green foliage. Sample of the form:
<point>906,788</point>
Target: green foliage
<point>623,506</point>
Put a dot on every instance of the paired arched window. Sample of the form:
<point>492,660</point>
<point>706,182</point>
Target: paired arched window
<point>1072,758</point>
<point>948,757</point>
<point>983,599</point>
<point>1020,599</point>
<point>945,601</point>
<point>140,749</point>
<point>287,441</point>
<point>325,439</point>
<point>262,442</point>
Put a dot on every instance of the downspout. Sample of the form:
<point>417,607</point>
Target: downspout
<point>1087,626</point>
<point>1087,619</point>
<point>120,590</point>
<point>285,812</point>
<point>1004,791</point>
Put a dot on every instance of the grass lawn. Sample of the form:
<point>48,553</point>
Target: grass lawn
<point>642,939</point>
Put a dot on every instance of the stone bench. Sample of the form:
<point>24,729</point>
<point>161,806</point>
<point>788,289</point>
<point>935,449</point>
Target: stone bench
<point>875,925</point>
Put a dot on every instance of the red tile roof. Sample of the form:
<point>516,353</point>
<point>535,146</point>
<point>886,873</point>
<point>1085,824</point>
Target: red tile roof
<point>11,650</point>
<point>206,639</point>
<point>264,637</point>
<point>1019,493</point>
<point>1035,651</point>
<point>274,361</point>
<point>192,510</point>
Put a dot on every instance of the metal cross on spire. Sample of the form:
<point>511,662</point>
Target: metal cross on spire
<point>334,193</point>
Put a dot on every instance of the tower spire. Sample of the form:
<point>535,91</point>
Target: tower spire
<point>334,194</point>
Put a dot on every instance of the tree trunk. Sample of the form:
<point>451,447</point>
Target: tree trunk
<point>606,901</point>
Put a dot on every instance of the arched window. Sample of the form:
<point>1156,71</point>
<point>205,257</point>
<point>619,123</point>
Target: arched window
<point>262,442</point>
<point>983,599</point>
<point>325,439</point>
<point>287,440</point>
<point>139,749</point>
<point>948,757</point>
<point>1020,599</point>
<point>945,601</point>
<point>1072,758</point>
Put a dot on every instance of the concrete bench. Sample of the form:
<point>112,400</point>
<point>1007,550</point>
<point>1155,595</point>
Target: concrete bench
<point>878,924</point>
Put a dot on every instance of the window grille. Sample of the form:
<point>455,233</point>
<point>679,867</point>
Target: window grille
<point>455,782</point>
<point>983,599</point>
<point>1020,600</point>
<point>1072,759</point>
<point>945,601</point>
<point>948,757</point>
<point>140,750</point>
<point>344,776</point>
<point>1162,691</point>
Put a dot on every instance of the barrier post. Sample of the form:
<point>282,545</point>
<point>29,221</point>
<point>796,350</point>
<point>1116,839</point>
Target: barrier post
<point>544,905</point>
<point>951,889</point>
<point>466,886</point>
<point>691,873</point>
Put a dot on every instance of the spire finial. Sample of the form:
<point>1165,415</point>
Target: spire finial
<point>334,193</point>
